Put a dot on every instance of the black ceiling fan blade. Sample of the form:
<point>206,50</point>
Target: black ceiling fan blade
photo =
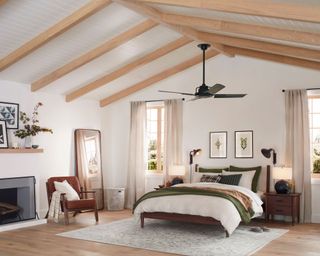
<point>221,96</point>
<point>182,93</point>
<point>216,88</point>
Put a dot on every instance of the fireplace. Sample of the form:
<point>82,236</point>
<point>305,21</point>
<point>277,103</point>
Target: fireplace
<point>17,199</point>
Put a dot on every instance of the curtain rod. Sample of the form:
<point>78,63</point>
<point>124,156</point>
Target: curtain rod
<point>162,100</point>
<point>308,89</point>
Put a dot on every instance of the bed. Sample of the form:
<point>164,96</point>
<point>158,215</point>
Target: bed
<point>189,207</point>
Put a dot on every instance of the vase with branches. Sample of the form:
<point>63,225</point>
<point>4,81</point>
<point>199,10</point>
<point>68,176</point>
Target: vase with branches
<point>31,125</point>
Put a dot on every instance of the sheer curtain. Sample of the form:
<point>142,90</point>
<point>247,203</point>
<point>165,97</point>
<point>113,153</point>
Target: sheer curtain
<point>137,154</point>
<point>298,147</point>
<point>173,110</point>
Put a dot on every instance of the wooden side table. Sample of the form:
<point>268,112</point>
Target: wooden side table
<point>283,204</point>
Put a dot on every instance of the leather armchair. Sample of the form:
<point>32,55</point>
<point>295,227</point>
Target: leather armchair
<point>74,206</point>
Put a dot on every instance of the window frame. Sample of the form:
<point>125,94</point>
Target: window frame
<point>159,107</point>
<point>311,114</point>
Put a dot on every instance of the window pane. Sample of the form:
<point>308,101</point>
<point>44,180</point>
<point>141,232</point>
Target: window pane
<point>316,121</point>
<point>153,127</point>
<point>153,114</point>
<point>310,102</point>
<point>316,106</point>
<point>315,136</point>
<point>310,120</point>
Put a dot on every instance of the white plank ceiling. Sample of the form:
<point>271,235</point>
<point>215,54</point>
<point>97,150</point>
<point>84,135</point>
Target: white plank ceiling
<point>22,20</point>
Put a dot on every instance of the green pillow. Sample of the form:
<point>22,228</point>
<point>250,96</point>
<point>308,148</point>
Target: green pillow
<point>230,179</point>
<point>256,176</point>
<point>213,170</point>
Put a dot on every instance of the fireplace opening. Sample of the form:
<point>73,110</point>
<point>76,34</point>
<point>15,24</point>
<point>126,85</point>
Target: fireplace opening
<point>17,199</point>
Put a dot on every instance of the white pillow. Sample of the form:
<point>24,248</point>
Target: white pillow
<point>65,187</point>
<point>246,178</point>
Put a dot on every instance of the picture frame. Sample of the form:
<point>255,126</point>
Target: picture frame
<point>218,144</point>
<point>9,112</point>
<point>3,135</point>
<point>243,141</point>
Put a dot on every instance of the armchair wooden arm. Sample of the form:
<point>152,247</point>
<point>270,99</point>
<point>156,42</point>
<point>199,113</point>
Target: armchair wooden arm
<point>87,192</point>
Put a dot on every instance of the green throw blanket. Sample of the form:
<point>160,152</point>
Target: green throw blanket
<point>176,191</point>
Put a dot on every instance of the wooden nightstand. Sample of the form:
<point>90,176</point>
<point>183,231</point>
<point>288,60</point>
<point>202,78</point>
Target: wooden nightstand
<point>283,204</point>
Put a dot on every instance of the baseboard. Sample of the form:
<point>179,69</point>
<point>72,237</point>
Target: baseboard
<point>22,224</point>
<point>42,213</point>
<point>315,218</point>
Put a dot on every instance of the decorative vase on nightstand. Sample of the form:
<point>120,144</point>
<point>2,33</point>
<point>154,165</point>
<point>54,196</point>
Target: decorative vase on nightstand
<point>282,187</point>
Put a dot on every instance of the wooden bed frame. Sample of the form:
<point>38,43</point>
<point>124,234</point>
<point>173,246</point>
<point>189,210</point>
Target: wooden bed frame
<point>191,218</point>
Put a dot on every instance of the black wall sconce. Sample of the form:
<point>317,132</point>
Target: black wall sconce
<point>193,153</point>
<point>267,153</point>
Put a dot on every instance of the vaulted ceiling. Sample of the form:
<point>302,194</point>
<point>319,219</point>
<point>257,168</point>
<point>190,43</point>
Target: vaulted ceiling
<point>106,50</point>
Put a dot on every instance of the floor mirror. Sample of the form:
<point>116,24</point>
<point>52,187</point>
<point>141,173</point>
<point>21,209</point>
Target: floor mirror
<point>88,162</point>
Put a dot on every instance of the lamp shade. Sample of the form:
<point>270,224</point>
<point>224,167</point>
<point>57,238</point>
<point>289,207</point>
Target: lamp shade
<point>177,170</point>
<point>282,173</point>
<point>267,153</point>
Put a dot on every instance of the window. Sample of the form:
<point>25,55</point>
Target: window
<point>155,136</point>
<point>314,124</point>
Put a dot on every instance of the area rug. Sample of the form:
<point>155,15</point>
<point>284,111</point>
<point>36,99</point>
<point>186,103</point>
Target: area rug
<point>177,237</point>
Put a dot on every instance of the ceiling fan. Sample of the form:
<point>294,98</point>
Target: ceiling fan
<point>204,91</point>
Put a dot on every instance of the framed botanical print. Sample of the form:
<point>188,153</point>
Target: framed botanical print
<point>218,144</point>
<point>3,135</point>
<point>9,112</point>
<point>243,144</point>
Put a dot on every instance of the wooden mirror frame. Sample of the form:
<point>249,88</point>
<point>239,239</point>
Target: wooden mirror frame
<point>88,185</point>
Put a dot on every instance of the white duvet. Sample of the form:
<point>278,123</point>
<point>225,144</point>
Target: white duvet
<point>208,206</point>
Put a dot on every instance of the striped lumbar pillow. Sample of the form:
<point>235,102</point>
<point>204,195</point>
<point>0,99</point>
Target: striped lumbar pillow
<point>210,178</point>
<point>230,179</point>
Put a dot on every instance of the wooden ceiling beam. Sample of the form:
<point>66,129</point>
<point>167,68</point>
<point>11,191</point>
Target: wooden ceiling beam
<point>156,78</point>
<point>242,28</point>
<point>157,17</point>
<point>93,54</point>
<point>128,68</point>
<point>275,9</point>
<point>2,2</point>
<point>280,49</point>
<point>275,57</point>
<point>54,31</point>
<point>221,40</point>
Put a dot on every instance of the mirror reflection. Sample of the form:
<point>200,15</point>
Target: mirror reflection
<point>88,162</point>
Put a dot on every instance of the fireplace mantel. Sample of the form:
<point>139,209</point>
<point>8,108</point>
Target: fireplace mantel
<point>20,150</point>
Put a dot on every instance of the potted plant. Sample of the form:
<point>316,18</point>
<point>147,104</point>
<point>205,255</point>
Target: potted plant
<point>31,127</point>
<point>316,166</point>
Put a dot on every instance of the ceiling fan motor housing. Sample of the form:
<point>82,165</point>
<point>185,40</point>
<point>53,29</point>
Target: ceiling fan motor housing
<point>203,91</point>
<point>203,47</point>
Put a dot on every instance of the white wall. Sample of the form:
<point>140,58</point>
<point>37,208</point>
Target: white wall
<point>58,156</point>
<point>262,111</point>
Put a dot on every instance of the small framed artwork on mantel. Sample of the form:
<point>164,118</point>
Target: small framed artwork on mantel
<point>243,144</point>
<point>3,135</point>
<point>9,112</point>
<point>218,144</point>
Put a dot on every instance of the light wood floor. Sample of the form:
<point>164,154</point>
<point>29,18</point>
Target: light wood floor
<point>41,240</point>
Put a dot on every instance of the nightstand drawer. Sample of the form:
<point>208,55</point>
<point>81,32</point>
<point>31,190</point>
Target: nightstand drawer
<point>279,201</point>
<point>280,210</point>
